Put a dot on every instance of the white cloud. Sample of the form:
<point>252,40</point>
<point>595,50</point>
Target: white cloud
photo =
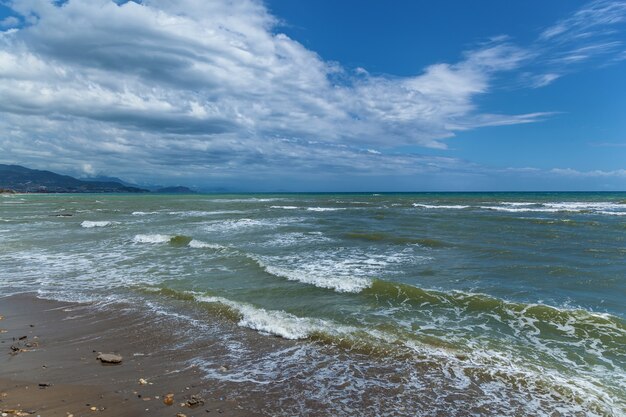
<point>591,33</point>
<point>211,86</point>
<point>542,80</point>
<point>9,22</point>
<point>569,172</point>
<point>592,19</point>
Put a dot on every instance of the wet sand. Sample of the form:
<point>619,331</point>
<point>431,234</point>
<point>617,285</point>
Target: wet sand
<point>48,365</point>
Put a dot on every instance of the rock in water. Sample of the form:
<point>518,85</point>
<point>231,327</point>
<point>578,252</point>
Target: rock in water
<point>109,358</point>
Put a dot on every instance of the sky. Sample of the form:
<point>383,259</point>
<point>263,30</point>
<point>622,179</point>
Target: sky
<point>283,95</point>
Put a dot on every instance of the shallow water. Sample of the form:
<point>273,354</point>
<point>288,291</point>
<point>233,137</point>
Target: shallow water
<point>479,303</point>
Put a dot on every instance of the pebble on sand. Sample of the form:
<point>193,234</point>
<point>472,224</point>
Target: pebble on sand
<point>109,358</point>
<point>168,399</point>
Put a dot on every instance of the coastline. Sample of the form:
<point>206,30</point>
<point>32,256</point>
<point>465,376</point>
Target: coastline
<point>56,373</point>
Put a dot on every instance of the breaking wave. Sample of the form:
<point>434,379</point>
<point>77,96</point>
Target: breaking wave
<point>90,224</point>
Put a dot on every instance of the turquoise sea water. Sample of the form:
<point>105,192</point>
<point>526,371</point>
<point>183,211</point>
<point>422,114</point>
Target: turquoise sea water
<point>428,304</point>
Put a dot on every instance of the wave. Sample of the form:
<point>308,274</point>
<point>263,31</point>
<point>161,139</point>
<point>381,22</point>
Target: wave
<point>440,206</point>
<point>176,240</point>
<point>554,322</point>
<point>240,225</point>
<point>344,270</point>
<point>399,240</point>
<point>198,244</point>
<point>285,207</point>
<point>483,366</point>
<point>154,238</point>
<point>588,207</point>
<point>274,322</point>
<point>144,213</point>
<point>585,207</point>
<point>90,224</point>
<point>325,208</point>
<point>295,238</point>
<point>318,279</point>
<point>612,213</point>
<point>202,213</point>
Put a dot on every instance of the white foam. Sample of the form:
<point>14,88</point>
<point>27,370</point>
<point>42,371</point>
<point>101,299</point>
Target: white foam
<point>244,200</point>
<point>521,209</point>
<point>517,203</point>
<point>325,208</point>
<point>613,213</point>
<point>156,238</point>
<point>339,269</point>
<point>198,244</point>
<point>144,213</point>
<point>285,207</point>
<point>245,224</point>
<point>442,206</point>
<point>594,207</point>
<point>89,224</point>
<point>295,238</point>
<point>275,322</point>
<point>337,283</point>
<point>202,213</point>
<point>584,205</point>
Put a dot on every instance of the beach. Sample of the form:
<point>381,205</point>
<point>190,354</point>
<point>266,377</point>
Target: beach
<point>49,367</point>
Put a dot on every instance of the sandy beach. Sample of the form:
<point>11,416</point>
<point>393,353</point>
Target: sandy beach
<point>49,365</point>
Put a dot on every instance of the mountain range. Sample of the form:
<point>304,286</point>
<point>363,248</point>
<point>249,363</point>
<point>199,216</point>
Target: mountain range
<point>25,180</point>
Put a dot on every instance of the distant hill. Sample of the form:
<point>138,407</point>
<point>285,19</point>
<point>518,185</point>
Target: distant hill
<point>21,179</point>
<point>175,190</point>
<point>103,178</point>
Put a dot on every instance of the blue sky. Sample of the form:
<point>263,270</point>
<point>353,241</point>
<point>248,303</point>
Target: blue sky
<point>318,95</point>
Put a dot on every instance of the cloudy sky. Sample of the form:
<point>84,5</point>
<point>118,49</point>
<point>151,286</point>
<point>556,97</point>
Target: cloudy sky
<point>318,95</point>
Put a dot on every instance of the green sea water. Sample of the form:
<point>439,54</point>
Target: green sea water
<point>480,303</point>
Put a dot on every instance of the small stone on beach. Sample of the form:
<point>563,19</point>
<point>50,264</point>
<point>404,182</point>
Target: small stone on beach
<point>143,381</point>
<point>168,399</point>
<point>194,401</point>
<point>109,358</point>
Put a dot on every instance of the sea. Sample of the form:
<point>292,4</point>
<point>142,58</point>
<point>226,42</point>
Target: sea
<point>416,304</point>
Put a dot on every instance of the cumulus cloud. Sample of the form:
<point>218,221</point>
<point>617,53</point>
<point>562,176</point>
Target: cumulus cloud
<point>214,86</point>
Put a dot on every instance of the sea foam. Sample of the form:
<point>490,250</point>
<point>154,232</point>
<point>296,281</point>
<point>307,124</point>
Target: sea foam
<point>89,224</point>
<point>275,322</point>
<point>441,206</point>
<point>155,238</point>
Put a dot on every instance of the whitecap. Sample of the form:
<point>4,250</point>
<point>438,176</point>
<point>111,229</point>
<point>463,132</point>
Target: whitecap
<point>155,238</point>
<point>339,269</point>
<point>325,208</point>
<point>198,244</point>
<point>144,213</point>
<point>89,224</point>
<point>338,283</point>
<point>442,206</point>
<point>276,322</point>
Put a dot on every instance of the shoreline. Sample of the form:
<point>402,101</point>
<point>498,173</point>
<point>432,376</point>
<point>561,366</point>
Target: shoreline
<point>48,365</point>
